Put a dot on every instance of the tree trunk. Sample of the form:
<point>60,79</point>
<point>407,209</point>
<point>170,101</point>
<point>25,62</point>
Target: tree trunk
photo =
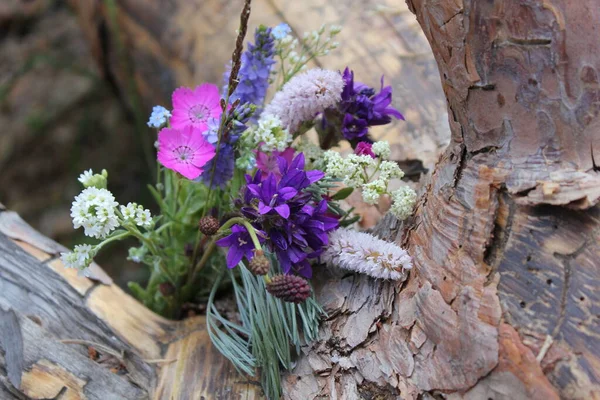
<point>501,302</point>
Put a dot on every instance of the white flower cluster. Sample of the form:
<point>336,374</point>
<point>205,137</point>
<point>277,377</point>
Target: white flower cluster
<point>372,176</point>
<point>159,117</point>
<point>80,258</point>
<point>316,43</point>
<point>136,214</point>
<point>268,135</point>
<point>404,200</point>
<point>364,253</point>
<point>306,95</point>
<point>94,210</point>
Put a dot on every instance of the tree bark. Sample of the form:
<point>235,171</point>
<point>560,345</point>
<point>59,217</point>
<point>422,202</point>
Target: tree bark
<point>501,302</point>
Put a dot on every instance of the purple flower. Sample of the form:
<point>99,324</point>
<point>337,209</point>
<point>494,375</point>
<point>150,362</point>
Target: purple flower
<point>295,223</point>
<point>364,149</point>
<point>255,70</point>
<point>363,108</point>
<point>240,245</point>
<point>220,168</point>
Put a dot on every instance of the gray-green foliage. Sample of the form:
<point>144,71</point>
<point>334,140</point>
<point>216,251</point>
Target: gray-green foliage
<point>269,332</point>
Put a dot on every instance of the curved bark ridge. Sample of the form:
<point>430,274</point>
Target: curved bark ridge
<point>505,240</point>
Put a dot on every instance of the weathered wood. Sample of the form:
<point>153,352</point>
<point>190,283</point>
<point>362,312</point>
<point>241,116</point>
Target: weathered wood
<point>49,316</point>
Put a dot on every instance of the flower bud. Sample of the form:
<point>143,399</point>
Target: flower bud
<point>259,265</point>
<point>209,225</point>
<point>290,288</point>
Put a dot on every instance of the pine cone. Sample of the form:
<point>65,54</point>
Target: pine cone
<point>209,225</point>
<point>290,288</point>
<point>259,265</point>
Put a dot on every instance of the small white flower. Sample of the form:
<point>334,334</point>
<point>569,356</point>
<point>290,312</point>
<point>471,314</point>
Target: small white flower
<point>94,210</point>
<point>390,170</point>
<point>382,149</point>
<point>269,134</point>
<point>85,177</point>
<point>128,211</point>
<point>80,258</point>
<point>143,218</point>
<point>136,214</point>
<point>333,164</point>
<point>403,201</point>
<point>159,117</point>
<point>364,253</point>
<point>373,190</point>
<point>335,29</point>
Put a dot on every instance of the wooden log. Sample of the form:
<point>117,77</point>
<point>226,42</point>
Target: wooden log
<point>84,338</point>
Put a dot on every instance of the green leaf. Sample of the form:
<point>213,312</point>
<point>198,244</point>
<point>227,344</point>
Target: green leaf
<point>342,193</point>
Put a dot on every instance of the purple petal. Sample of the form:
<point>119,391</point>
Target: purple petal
<point>234,256</point>
<point>263,208</point>
<point>314,175</point>
<point>283,210</point>
<point>287,193</point>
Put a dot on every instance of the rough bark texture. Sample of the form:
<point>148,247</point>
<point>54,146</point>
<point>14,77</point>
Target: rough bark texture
<point>505,239</point>
<point>501,303</point>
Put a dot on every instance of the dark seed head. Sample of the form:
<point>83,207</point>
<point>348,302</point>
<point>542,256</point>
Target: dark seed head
<point>290,288</point>
<point>209,225</point>
<point>259,265</point>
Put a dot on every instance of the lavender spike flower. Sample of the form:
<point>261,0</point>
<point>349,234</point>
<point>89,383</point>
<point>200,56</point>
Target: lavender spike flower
<point>254,74</point>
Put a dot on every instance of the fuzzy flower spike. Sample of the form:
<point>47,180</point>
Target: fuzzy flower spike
<point>364,253</point>
<point>305,96</point>
<point>195,107</point>
<point>185,151</point>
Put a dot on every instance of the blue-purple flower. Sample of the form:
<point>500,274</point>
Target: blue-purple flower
<point>362,107</point>
<point>240,245</point>
<point>220,169</point>
<point>254,73</point>
<point>295,224</point>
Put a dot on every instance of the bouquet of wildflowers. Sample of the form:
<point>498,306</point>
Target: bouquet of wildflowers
<point>248,205</point>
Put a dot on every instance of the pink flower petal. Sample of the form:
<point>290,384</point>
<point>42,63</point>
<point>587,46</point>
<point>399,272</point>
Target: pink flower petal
<point>182,97</point>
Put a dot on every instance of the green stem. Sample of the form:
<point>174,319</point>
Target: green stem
<point>112,239</point>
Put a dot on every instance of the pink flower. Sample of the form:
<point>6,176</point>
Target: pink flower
<point>184,150</point>
<point>195,107</point>
<point>364,149</point>
<point>268,163</point>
